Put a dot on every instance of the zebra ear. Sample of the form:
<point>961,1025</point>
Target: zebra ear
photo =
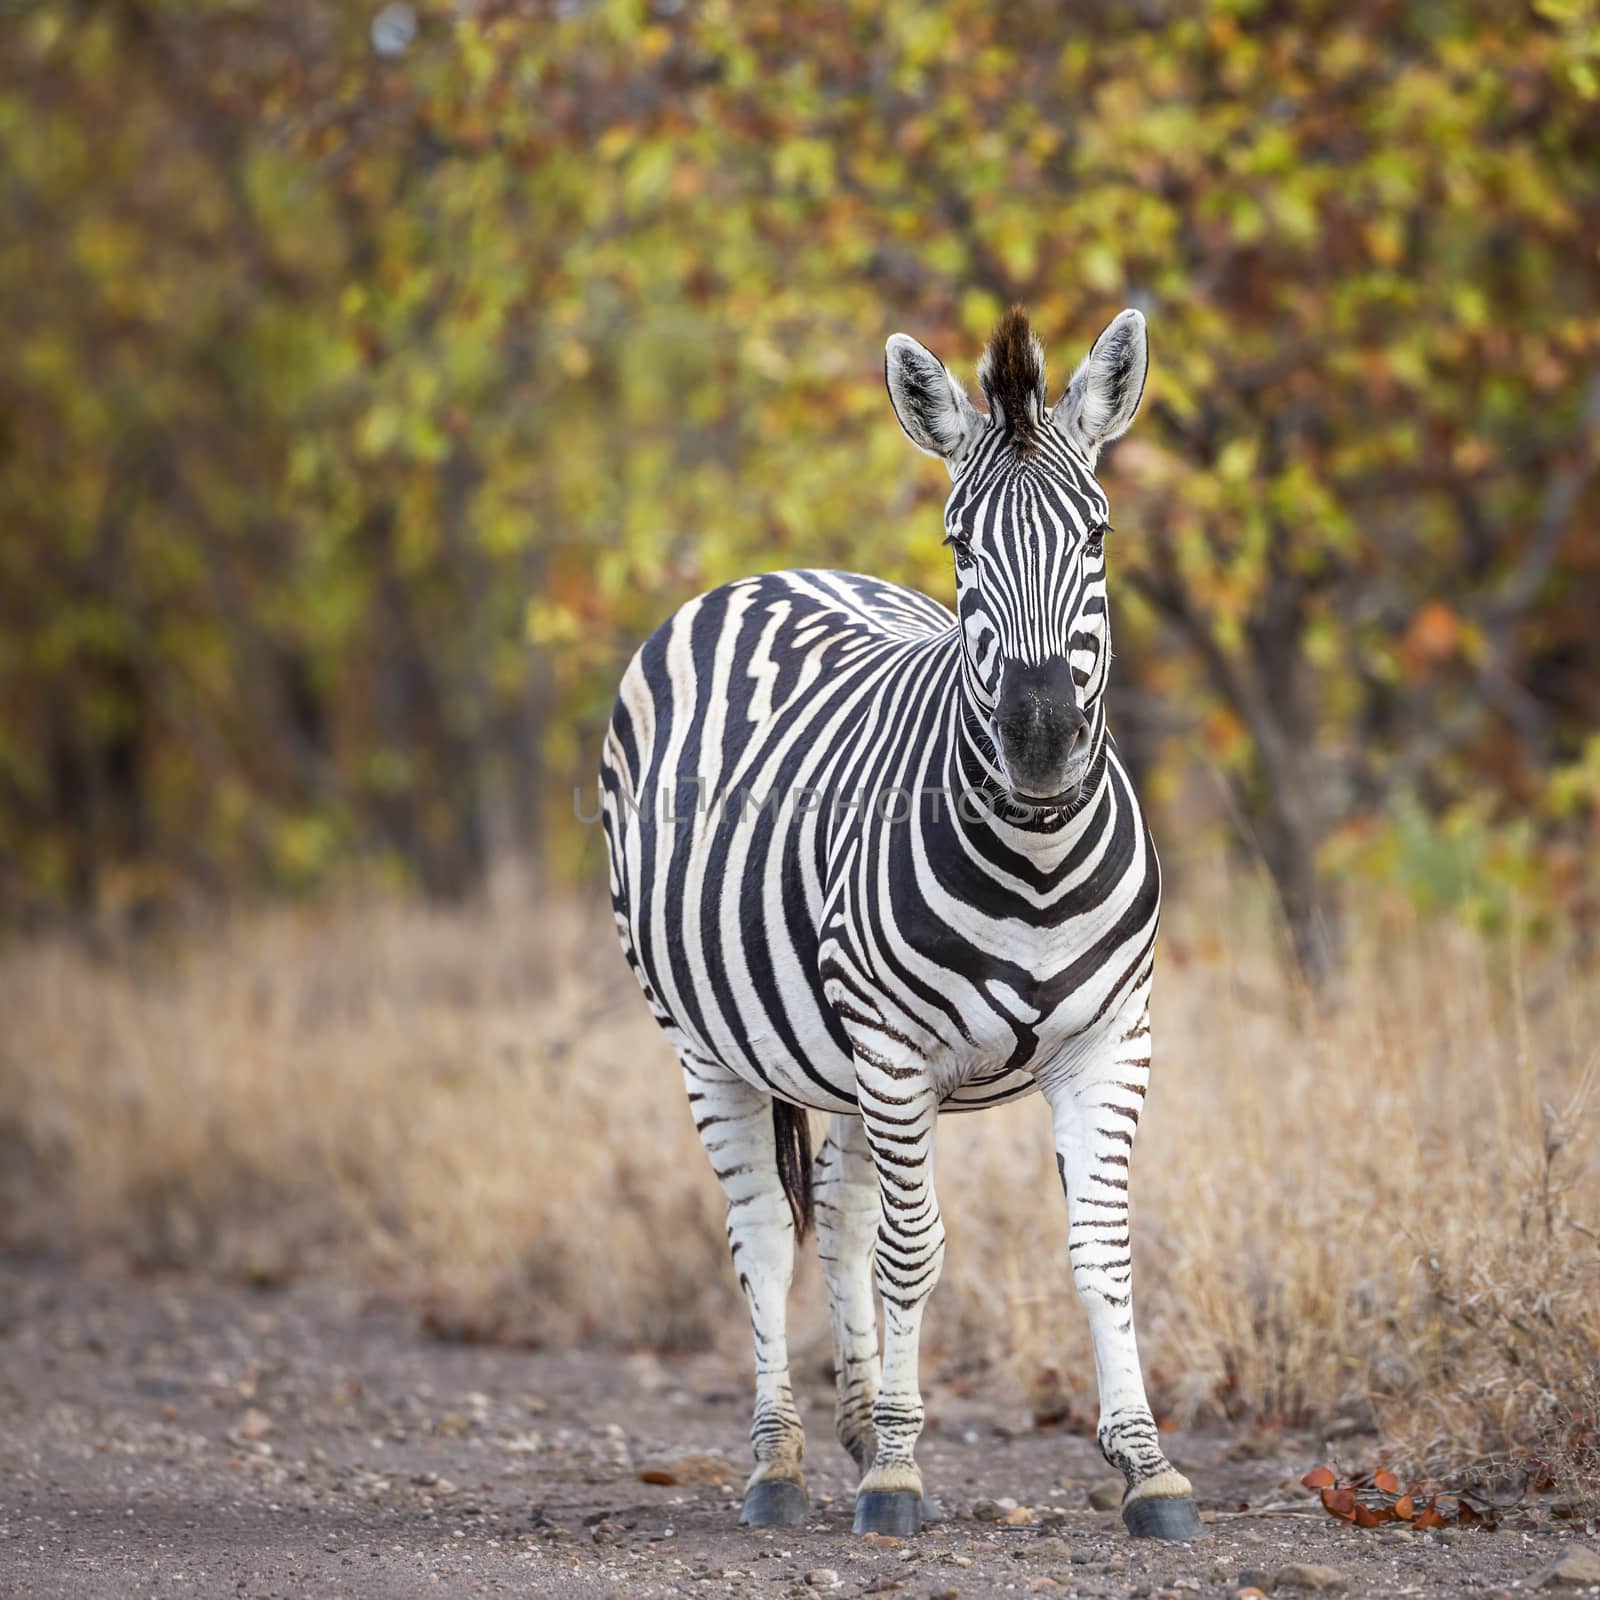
<point>932,406</point>
<point>1105,391</point>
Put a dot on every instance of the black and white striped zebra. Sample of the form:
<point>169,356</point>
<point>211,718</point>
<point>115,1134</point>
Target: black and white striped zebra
<point>882,861</point>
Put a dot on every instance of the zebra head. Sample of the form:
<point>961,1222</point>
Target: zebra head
<point>1027,522</point>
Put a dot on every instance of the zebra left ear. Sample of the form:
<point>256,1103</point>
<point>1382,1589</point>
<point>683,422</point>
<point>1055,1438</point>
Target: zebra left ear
<point>1105,391</point>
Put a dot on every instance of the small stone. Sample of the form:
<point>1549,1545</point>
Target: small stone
<point>945,1594</point>
<point>1251,1593</point>
<point>986,1511</point>
<point>1254,1578</point>
<point>1577,1567</point>
<point>254,1424</point>
<point>1105,1497</point>
<point>1081,1557</point>
<point>823,1578</point>
<point>688,1466</point>
<point>959,1561</point>
<point>1308,1575</point>
<point>1052,1549</point>
<point>1449,1535</point>
<point>1018,1517</point>
<point>1044,1583</point>
<point>883,1541</point>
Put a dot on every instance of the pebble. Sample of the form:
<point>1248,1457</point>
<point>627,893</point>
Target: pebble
<point>254,1424</point>
<point>1105,1497</point>
<point>689,1466</point>
<point>822,1578</point>
<point>1018,1517</point>
<point>1577,1567</point>
<point>945,1594</point>
<point>883,1541</point>
<point>986,1511</point>
<point>1308,1575</point>
<point>1052,1549</point>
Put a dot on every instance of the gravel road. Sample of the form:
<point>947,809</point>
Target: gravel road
<point>178,1438</point>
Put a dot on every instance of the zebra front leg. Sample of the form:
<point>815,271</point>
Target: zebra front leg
<point>899,1123</point>
<point>735,1125</point>
<point>1096,1115</point>
<point>847,1210</point>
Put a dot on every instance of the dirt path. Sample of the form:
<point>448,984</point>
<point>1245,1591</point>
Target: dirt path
<point>181,1439</point>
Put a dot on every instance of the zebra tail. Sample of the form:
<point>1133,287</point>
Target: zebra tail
<point>793,1132</point>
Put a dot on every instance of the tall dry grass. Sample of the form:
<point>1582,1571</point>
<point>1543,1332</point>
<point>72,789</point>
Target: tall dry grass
<point>1384,1206</point>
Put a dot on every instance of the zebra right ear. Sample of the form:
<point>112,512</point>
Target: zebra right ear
<point>930,402</point>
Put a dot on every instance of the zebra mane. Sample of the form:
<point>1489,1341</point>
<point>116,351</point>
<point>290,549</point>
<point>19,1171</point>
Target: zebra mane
<point>1012,375</point>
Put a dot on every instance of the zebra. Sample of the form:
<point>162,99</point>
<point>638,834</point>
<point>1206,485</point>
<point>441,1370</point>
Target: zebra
<point>986,931</point>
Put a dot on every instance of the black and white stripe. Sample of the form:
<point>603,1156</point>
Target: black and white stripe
<point>881,860</point>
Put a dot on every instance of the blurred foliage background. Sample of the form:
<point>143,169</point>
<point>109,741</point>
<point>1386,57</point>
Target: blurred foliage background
<point>377,376</point>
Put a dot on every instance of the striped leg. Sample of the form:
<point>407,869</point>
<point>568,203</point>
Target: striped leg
<point>1096,1116</point>
<point>899,1118</point>
<point>847,1211</point>
<point>734,1122</point>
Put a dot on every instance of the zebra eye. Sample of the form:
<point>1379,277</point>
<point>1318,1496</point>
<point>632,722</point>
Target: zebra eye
<point>962,545</point>
<point>1094,547</point>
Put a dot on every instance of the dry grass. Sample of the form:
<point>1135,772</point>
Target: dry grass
<point>1385,1208</point>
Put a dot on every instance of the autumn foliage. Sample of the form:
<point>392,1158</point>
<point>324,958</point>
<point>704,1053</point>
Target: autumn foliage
<point>378,376</point>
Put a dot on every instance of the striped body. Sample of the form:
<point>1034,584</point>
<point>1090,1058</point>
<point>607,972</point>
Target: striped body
<point>817,709</point>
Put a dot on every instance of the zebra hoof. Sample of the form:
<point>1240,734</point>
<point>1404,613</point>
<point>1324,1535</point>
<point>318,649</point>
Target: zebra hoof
<point>774,1503</point>
<point>1161,1517</point>
<point>893,1511</point>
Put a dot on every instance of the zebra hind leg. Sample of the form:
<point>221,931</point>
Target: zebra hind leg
<point>847,1209</point>
<point>736,1127</point>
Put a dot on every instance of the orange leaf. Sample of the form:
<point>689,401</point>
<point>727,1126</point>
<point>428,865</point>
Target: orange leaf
<point>1434,633</point>
<point>1386,1481</point>
<point>1339,1503</point>
<point>1431,1517</point>
<point>1318,1478</point>
<point>1367,1517</point>
<point>1466,1516</point>
<point>1404,1509</point>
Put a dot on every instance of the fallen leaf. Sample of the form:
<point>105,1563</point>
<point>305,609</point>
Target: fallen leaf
<point>1319,1478</point>
<point>1340,1503</point>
